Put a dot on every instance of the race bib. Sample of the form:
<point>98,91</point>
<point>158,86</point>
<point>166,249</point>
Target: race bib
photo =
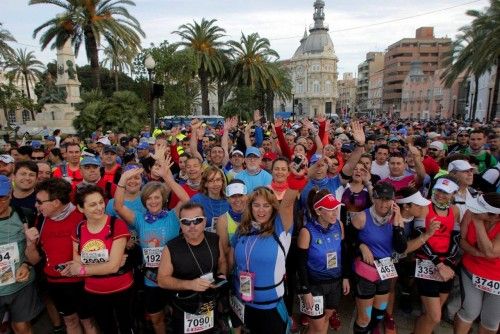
<point>238,307</point>
<point>99,256</point>
<point>213,227</point>
<point>425,269</point>
<point>9,256</point>
<point>385,268</point>
<point>331,260</point>
<point>198,323</point>
<point>317,308</point>
<point>486,285</point>
<point>247,280</point>
<point>152,256</point>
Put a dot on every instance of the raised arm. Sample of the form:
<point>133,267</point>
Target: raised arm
<point>419,166</point>
<point>193,143</point>
<point>286,208</point>
<point>229,124</point>
<point>359,137</point>
<point>166,174</point>
<point>285,149</point>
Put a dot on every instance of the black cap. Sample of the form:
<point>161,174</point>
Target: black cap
<point>383,190</point>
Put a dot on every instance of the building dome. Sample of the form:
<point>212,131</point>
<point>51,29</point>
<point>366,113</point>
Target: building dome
<point>318,41</point>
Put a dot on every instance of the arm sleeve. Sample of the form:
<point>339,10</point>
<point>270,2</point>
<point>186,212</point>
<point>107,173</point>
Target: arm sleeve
<point>302,270</point>
<point>420,229</point>
<point>282,142</point>
<point>453,252</point>
<point>259,136</point>
<point>399,241</point>
<point>347,259</point>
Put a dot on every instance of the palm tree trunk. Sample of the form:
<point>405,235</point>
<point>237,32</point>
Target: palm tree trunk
<point>116,81</point>
<point>204,92</point>
<point>474,102</point>
<point>26,82</point>
<point>494,103</point>
<point>91,46</point>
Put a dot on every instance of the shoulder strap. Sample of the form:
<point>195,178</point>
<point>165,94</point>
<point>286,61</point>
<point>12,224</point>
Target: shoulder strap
<point>275,236</point>
<point>112,221</point>
<point>25,215</point>
<point>118,175</point>
<point>64,169</point>
<point>107,190</point>
<point>78,236</point>
<point>102,171</point>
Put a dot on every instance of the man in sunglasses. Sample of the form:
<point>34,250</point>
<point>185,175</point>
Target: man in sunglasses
<point>191,266</point>
<point>462,142</point>
<point>38,155</point>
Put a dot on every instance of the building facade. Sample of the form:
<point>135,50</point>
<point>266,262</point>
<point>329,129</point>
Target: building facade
<point>425,96</point>
<point>347,95</point>
<point>485,85</point>
<point>19,116</point>
<point>375,89</point>
<point>374,63</point>
<point>424,47</point>
<point>313,70</point>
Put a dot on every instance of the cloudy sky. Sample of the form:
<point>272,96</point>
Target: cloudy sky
<point>356,26</point>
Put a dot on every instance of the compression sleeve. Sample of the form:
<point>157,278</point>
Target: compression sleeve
<point>347,259</point>
<point>453,251</point>
<point>302,255</point>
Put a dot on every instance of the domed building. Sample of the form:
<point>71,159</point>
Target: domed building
<point>313,70</point>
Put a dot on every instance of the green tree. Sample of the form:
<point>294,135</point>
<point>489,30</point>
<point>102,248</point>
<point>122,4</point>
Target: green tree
<point>24,66</point>
<point>12,99</point>
<point>124,112</point>
<point>5,50</point>
<point>476,50</point>
<point>119,60</point>
<point>108,85</point>
<point>88,22</point>
<point>204,41</point>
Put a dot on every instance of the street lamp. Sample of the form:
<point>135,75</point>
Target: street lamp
<point>150,64</point>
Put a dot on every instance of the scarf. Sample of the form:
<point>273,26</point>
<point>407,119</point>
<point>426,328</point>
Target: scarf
<point>440,205</point>
<point>195,186</point>
<point>378,220</point>
<point>235,215</point>
<point>66,211</point>
<point>151,218</point>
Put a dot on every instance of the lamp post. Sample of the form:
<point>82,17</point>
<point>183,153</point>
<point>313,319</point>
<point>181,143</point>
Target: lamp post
<point>150,63</point>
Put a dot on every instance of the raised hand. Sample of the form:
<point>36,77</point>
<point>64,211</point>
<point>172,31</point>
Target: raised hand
<point>278,122</point>
<point>358,133</point>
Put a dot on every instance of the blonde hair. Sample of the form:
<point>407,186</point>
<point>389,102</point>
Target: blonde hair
<point>150,188</point>
<point>209,172</point>
<point>267,228</point>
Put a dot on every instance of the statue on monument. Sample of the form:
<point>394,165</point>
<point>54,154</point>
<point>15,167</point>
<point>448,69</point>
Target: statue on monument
<point>71,70</point>
<point>51,93</point>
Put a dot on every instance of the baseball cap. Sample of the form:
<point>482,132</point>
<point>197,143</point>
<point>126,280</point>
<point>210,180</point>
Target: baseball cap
<point>346,148</point>
<point>437,145</point>
<point>104,141</point>
<point>343,137</point>
<point>314,158</point>
<point>383,190</point>
<point>446,185</point>
<point>6,159</point>
<point>90,161</point>
<point>151,140</point>
<point>459,166</point>
<point>327,202</point>
<point>5,185</point>
<point>233,152</point>
<point>236,188</point>
<point>416,198</point>
<point>269,156</point>
<point>36,144</point>
<point>109,148</point>
<point>393,139</point>
<point>479,205</point>
<point>339,130</point>
<point>143,146</point>
<point>252,150</point>
<point>433,135</point>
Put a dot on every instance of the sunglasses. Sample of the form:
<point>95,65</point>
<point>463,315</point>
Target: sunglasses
<point>40,202</point>
<point>195,221</point>
<point>463,135</point>
<point>432,149</point>
<point>37,158</point>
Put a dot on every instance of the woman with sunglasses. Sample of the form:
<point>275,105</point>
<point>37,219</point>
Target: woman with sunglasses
<point>154,229</point>
<point>322,261</point>
<point>437,256</point>
<point>211,195</point>
<point>481,265</point>
<point>260,247</point>
<point>193,267</point>
<point>379,232</point>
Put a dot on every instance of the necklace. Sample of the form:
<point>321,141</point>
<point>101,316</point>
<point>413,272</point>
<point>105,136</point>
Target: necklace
<point>196,260</point>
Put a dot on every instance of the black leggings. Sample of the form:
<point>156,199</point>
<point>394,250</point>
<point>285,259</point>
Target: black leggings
<point>113,311</point>
<point>264,321</point>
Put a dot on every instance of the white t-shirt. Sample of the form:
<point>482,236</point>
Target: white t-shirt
<point>380,170</point>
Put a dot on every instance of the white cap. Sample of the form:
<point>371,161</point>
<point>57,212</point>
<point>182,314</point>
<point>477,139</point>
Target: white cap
<point>151,140</point>
<point>339,130</point>
<point>416,198</point>
<point>236,189</point>
<point>433,135</point>
<point>459,166</point>
<point>446,185</point>
<point>104,140</point>
<point>437,145</point>
<point>233,152</point>
<point>6,159</point>
<point>479,205</point>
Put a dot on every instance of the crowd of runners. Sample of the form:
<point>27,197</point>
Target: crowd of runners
<point>253,227</point>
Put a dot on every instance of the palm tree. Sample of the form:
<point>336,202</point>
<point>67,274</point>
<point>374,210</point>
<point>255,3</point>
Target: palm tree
<point>204,40</point>
<point>24,66</point>
<point>119,60</point>
<point>253,57</point>
<point>5,50</point>
<point>475,50</point>
<point>90,21</point>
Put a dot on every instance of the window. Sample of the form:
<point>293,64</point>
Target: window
<point>26,116</point>
<point>12,116</point>
<point>328,87</point>
<point>316,87</point>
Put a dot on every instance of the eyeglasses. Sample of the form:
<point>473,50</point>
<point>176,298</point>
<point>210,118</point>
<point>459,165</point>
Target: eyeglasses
<point>195,221</point>
<point>431,149</point>
<point>40,202</point>
<point>37,158</point>
<point>463,135</point>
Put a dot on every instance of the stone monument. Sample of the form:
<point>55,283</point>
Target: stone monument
<point>59,110</point>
